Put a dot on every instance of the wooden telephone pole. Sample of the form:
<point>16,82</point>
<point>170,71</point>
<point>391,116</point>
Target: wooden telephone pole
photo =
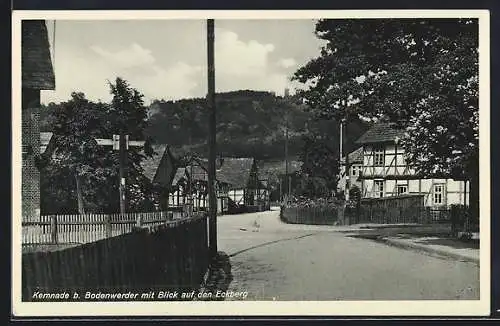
<point>212,235</point>
<point>121,143</point>
<point>346,162</point>
<point>287,176</point>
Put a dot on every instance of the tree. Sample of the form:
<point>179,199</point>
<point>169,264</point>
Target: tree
<point>355,195</point>
<point>311,187</point>
<point>421,74</point>
<point>128,114</point>
<point>78,159</point>
<point>320,163</point>
<point>86,172</point>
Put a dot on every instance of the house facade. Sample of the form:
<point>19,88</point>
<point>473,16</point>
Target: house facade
<point>160,171</point>
<point>355,168</point>
<point>386,173</point>
<point>37,74</point>
<point>190,187</point>
<point>237,185</point>
<point>241,183</point>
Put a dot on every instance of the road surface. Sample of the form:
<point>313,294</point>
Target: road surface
<point>277,261</point>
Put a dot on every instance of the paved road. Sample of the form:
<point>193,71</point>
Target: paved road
<point>276,261</point>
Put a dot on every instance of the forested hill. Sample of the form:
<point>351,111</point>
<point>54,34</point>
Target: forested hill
<point>249,123</point>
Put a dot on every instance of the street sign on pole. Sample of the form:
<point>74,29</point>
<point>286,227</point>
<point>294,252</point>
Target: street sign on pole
<point>121,143</point>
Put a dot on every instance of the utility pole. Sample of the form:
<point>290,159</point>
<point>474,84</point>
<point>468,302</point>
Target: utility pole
<point>212,238</point>
<point>287,177</point>
<point>347,172</point>
<point>286,157</point>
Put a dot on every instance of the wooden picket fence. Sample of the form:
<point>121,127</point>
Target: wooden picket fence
<point>405,209</point>
<point>85,228</point>
<point>172,256</point>
<point>319,215</point>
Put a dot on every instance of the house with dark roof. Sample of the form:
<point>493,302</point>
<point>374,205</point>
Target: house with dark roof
<point>190,186</point>
<point>160,170</point>
<point>37,74</point>
<point>241,184</point>
<point>385,171</point>
<point>355,167</point>
<point>238,185</point>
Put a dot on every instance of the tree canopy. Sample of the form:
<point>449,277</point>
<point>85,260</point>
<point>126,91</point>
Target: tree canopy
<point>320,162</point>
<point>79,166</point>
<point>421,74</point>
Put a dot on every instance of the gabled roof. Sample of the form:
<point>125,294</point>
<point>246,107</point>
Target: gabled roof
<point>381,133</point>
<point>199,173</point>
<point>37,71</point>
<point>355,156</point>
<point>179,174</point>
<point>235,172</point>
<point>151,164</point>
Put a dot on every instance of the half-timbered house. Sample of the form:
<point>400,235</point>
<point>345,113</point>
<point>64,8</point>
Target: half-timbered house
<point>190,186</point>
<point>240,182</point>
<point>355,167</point>
<point>237,185</point>
<point>385,171</point>
<point>160,171</point>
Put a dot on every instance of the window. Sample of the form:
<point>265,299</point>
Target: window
<point>355,170</point>
<point>378,156</point>
<point>438,194</point>
<point>379,188</point>
<point>402,189</point>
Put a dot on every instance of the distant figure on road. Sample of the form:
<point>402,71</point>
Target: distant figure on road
<point>256,226</point>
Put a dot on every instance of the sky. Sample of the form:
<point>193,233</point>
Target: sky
<point>166,59</point>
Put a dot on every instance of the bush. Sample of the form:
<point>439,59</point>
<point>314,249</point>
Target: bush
<point>314,202</point>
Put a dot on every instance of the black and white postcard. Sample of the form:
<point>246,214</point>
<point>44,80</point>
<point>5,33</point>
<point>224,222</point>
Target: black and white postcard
<point>194,163</point>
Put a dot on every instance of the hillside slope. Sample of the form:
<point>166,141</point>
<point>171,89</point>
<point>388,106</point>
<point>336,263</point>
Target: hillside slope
<point>249,123</point>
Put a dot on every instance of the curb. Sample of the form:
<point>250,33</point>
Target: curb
<point>406,245</point>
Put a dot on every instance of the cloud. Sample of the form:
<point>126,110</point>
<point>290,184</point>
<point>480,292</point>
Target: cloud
<point>240,64</point>
<point>243,64</point>
<point>89,73</point>
<point>133,56</point>
<point>287,63</point>
<point>236,57</point>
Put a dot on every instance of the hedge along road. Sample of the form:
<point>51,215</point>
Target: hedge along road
<point>277,261</point>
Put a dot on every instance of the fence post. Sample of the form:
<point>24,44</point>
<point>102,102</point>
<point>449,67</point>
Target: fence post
<point>107,225</point>
<point>53,228</point>
<point>454,220</point>
<point>138,220</point>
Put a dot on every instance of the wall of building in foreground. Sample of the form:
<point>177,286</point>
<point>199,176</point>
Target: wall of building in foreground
<point>30,134</point>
